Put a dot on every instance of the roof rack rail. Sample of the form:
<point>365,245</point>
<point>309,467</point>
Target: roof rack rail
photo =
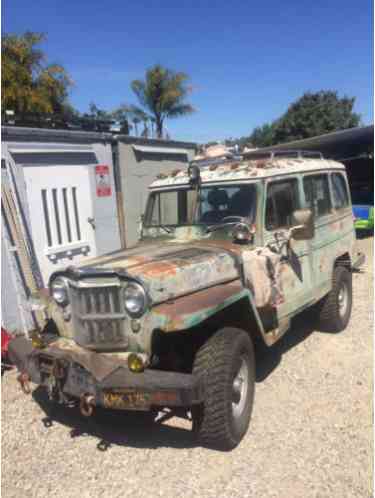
<point>272,154</point>
<point>59,121</point>
<point>214,160</point>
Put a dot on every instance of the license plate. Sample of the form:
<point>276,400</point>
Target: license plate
<point>126,400</point>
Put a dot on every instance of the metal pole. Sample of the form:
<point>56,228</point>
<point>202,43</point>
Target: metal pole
<point>119,194</point>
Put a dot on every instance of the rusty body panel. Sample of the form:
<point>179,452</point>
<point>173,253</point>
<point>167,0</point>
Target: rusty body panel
<point>192,309</point>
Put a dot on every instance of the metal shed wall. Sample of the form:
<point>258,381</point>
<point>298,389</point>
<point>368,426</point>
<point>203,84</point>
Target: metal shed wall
<point>139,163</point>
<point>38,148</point>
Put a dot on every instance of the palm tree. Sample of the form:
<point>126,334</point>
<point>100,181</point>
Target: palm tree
<point>163,94</point>
<point>123,115</point>
<point>152,123</point>
<point>136,122</point>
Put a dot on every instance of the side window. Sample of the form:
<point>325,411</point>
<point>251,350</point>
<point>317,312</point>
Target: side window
<point>317,194</point>
<point>282,200</point>
<point>340,192</point>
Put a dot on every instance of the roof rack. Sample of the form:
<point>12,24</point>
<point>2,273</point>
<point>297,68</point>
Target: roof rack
<point>59,121</point>
<point>215,160</point>
<point>272,154</point>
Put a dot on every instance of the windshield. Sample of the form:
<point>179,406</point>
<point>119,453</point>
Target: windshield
<point>213,204</point>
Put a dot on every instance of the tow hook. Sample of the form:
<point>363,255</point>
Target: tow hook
<point>24,380</point>
<point>86,404</point>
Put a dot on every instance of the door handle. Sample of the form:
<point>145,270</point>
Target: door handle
<point>92,222</point>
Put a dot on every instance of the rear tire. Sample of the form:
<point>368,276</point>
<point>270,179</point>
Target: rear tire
<point>226,366</point>
<point>336,306</point>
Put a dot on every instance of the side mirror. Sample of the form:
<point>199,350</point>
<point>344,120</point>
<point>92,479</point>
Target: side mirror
<point>304,228</point>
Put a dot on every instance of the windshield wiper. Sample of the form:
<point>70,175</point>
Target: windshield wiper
<point>213,228</point>
<point>231,220</point>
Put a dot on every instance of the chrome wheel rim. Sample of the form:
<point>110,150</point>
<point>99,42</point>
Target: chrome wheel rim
<point>343,299</point>
<point>240,389</point>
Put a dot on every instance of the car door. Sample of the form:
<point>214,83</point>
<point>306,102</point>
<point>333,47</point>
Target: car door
<point>283,196</point>
<point>317,195</point>
<point>333,225</point>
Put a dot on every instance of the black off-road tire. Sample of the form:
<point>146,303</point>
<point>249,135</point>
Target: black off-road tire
<point>217,363</point>
<point>331,318</point>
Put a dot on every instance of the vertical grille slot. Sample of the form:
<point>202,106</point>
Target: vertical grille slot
<point>102,302</point>
<point>82,302</point>
<point>98,313</point>
<point>116,302</point>
<point>88,306</point>
<point>97,301</point>
<point>107,308</point>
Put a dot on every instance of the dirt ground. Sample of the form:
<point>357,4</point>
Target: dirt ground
<point>311,433</point>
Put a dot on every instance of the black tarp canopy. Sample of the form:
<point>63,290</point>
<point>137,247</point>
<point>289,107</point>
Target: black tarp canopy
<point>338,145</point>
<point>354,147</point>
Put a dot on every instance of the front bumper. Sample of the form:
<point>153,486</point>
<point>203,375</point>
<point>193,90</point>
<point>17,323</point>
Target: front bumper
<point>64,378</point>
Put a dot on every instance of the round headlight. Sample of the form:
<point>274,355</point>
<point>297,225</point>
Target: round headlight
<point>59,292</point>
<point>135,299</point>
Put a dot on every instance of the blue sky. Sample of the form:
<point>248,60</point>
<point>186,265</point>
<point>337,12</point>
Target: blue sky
<point>247,60</point>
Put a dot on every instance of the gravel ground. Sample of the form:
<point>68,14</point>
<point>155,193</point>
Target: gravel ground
<point>310,436</point>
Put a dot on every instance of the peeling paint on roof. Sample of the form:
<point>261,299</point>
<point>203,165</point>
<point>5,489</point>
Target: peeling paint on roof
<point>248,170</point>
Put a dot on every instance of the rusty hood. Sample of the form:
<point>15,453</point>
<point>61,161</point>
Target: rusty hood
<point>168,270</point>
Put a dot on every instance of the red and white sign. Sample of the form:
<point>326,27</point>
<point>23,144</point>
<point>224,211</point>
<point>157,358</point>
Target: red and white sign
<point>103,182</point>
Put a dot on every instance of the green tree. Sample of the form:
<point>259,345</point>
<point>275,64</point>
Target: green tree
<point>263,136</point>
<point>28,83</point>
<point>123,115</point>
<point>136,121</point>
<point>152,125</point>
<point>315,114</point>
<point>139,116</point>
<point>311,115</point>
<point>162,94</point>
<point>96,113</point>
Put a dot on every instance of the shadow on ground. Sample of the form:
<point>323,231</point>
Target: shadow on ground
<point>141,430</point>
<point>269,358</point>
<point>115,428</point>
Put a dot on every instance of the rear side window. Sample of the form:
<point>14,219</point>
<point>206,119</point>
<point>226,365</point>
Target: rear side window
<point>282,200</point>
<point>317,194</point>
<point>340,192</point>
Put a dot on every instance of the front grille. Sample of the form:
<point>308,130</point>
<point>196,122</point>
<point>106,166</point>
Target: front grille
<point>97,300</point>
<point>98,314</point>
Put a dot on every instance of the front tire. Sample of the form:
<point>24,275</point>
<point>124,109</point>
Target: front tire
<point>226,366</point>
<point>336,306</point>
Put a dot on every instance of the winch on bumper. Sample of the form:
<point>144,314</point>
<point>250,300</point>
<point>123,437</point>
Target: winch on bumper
<point>98,380</point>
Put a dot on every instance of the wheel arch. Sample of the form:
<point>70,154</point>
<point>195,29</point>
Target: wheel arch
<point>184,333</point>
<point>202,307</point>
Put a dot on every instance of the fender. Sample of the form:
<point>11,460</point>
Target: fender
<point>193,309</point>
